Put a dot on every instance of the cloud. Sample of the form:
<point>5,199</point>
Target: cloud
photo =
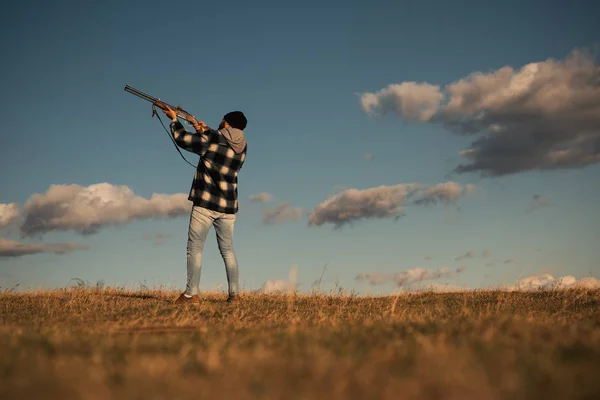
<point>277,286</point>
<point>381,202</point>
<point>9,213</point>
<point>438,288</point>
<point>86,209</point>
<point>415,101</point>
<point>9,248</point>
<point>543,116</point>
<point>539,202</point>
<point>486,253</point>
<point>443,193</point>
<point>408,277</point>
<point>281,286</point>
<point>542,282</point>
<point>283,212</point>
<point>262,197</point>
<point>548,282</point>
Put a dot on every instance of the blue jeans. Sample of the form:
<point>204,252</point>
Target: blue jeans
<point>201,219</point>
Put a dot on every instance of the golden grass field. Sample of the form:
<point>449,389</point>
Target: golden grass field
<point>110,343</point>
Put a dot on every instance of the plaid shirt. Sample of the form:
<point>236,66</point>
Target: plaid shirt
<point>215,181</point>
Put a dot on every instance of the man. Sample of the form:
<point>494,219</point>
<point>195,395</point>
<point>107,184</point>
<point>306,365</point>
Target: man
<point>214,193</point>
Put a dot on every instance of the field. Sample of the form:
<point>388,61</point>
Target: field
<point>110,343</point>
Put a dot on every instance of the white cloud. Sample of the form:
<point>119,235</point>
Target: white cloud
<point>9,248</point>
<point>413,100</point>
<point>381,202</point>
<point>353,204</point>
<point>283,212</point>
<point>548,282</point>
<point>262,197</point>
<point>277,286</point>
<point>408,277</point>
<point>446,193</point>
<point>438,288</point>
<point>86,209</point>
<point>273,286</point>
<point>543,116</point>
<point>9,213</point>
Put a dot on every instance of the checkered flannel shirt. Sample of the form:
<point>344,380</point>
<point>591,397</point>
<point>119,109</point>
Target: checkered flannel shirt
<point>215,181</point>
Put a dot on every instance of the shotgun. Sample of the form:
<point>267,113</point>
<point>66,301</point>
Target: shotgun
<point>178,110</point>
<point>187,117</point>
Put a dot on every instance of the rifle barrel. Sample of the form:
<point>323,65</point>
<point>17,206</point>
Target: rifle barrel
<point>140,94</point>
<point>178,110</point>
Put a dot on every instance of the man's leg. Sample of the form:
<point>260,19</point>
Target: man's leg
<point>200,224</point>
<point>224,229</point>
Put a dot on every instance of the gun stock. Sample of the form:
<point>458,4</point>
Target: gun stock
<point>178,110</point>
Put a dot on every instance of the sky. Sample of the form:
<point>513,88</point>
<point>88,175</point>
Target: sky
<point>390,144</point>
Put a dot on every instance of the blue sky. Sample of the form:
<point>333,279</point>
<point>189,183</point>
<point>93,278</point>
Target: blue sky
<point>298,72</point>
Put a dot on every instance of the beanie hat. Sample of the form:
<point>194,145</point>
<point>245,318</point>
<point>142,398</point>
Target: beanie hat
<point>236,119</point>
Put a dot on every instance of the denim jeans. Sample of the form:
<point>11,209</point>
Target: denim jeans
<point>201,220</point>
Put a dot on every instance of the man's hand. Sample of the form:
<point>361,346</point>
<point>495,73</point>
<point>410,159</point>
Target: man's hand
<point>166,109</point>
<point>170,113</point>
<point>199,126</point>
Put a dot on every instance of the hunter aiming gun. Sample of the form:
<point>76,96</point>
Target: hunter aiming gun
<point>156,102</point>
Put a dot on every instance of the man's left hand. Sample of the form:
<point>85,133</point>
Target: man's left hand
<point>167,110</point>
<point>170,113</point>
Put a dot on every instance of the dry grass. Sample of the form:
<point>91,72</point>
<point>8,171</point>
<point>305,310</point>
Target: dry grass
<point>100,344</point>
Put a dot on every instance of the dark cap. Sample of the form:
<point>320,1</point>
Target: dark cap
<point>236,119</point>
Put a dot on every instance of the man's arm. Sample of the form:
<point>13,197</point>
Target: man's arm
<point>195,143</point>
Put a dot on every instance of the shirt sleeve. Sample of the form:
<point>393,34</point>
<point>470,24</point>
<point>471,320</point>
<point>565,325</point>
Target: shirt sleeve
<point>192,142</point>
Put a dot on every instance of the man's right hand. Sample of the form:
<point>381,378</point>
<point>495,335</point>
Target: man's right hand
<point>199,126</point>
